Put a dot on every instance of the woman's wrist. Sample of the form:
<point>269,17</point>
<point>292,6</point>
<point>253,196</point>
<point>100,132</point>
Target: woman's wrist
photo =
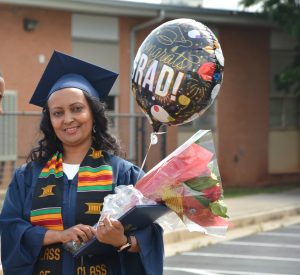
<point>126,246</point>
<point>52,236</point>
<point>130,244</point>
<point>122,242</point>
<point>134,245</point>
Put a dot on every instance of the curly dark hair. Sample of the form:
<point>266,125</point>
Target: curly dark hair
<point>50,143</point>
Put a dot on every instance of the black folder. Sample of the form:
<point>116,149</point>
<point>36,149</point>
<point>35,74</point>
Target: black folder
<point>138,217</point>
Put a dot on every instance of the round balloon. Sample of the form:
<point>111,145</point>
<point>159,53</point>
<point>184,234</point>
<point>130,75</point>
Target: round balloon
<point>177,72</point>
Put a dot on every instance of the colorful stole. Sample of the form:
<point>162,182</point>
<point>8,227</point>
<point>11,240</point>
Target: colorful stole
<point>95,181</point>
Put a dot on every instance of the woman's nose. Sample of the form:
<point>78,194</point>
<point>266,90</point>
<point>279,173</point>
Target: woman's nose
<point>68,118</point>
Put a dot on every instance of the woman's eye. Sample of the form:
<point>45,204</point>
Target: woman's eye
<point>77,109</point>
<point>57,114</point>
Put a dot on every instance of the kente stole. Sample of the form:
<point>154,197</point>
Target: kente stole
<point>95,178</point>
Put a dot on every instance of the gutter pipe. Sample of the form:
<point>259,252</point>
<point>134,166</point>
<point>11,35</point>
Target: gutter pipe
<point>132,125</point>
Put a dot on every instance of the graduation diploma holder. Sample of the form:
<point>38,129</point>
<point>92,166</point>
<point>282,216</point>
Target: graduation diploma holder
<point>138,217</point>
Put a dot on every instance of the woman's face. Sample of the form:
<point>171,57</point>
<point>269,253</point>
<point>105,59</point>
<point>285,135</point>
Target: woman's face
<point>71,117</point>
<point>2,87</point>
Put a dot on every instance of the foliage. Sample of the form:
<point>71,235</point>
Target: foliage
<point>286,13</point>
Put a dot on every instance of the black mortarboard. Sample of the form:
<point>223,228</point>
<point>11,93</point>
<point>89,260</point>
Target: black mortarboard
<point>64,71</point>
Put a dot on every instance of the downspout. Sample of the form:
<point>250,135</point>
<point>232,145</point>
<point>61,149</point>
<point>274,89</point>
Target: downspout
<point>132,125</point>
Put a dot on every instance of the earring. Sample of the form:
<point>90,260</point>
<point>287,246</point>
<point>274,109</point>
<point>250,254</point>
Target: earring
<point>94,128</point>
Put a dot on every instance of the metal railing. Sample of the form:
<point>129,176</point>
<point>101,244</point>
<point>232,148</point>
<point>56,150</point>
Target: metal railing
<point>19,133</point>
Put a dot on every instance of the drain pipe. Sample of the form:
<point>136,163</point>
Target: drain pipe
<point>132,125</point>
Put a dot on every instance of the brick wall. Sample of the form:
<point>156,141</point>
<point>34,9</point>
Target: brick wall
<point>21,53</point>
<point>243,106</point>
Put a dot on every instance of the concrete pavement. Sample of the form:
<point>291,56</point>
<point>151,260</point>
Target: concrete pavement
<point>248,214</point>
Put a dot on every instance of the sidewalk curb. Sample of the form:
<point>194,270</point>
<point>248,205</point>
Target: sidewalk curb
<point>182,240</point>
<point>274,214</point>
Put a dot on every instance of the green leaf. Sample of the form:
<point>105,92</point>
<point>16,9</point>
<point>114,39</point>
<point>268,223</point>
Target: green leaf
<point>201,183</point>
<point>204,201</point>
<point>219,208</point>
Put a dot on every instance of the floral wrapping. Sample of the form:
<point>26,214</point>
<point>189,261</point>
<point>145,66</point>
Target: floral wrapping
<point>187,181</point>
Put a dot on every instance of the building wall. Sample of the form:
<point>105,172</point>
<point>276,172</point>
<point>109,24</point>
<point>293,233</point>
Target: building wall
<point>24,55</point>
<point>243,106</point>
<point>243,102</point>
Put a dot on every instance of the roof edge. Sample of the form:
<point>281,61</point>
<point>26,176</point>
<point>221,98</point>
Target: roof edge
<point>137,9</point>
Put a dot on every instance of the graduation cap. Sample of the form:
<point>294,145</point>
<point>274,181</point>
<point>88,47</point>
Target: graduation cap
<point>64,71</point>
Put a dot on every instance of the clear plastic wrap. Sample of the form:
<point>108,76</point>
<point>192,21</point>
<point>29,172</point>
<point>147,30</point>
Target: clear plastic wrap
<point>125,197</point>
<point>187,181</point>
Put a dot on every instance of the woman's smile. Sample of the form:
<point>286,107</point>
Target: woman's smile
<point>71,130</point>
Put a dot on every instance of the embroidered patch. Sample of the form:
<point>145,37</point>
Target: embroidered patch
<point>47,191</point>
<point>96,154</point>
<point>93,208</point>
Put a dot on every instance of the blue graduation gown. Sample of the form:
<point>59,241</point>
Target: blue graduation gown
<point>21,242</point>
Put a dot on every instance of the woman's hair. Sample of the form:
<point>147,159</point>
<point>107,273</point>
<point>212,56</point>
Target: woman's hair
<point>102,139</point>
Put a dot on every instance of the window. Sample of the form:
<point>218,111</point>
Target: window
<point>284,107</point>
<point>8,128</point>
<point>284,112</point>
<point>110,103</point>
<point>98,45</point>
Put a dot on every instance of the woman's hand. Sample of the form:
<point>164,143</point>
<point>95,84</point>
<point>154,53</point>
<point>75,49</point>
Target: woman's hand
<point>110,232</point>
<point>78,233</point>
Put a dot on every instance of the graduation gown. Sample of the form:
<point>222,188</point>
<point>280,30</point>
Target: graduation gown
<point>21,242</point>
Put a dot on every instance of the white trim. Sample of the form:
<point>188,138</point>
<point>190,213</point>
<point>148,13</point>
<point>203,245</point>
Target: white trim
<point>124,8</point>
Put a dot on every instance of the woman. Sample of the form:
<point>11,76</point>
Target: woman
<point>2,88</point>
<point>56,198</point>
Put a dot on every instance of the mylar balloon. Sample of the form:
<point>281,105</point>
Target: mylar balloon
<point>177,72</point>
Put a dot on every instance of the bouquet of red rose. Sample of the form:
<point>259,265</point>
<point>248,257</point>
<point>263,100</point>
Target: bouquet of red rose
<point>188,182</point>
